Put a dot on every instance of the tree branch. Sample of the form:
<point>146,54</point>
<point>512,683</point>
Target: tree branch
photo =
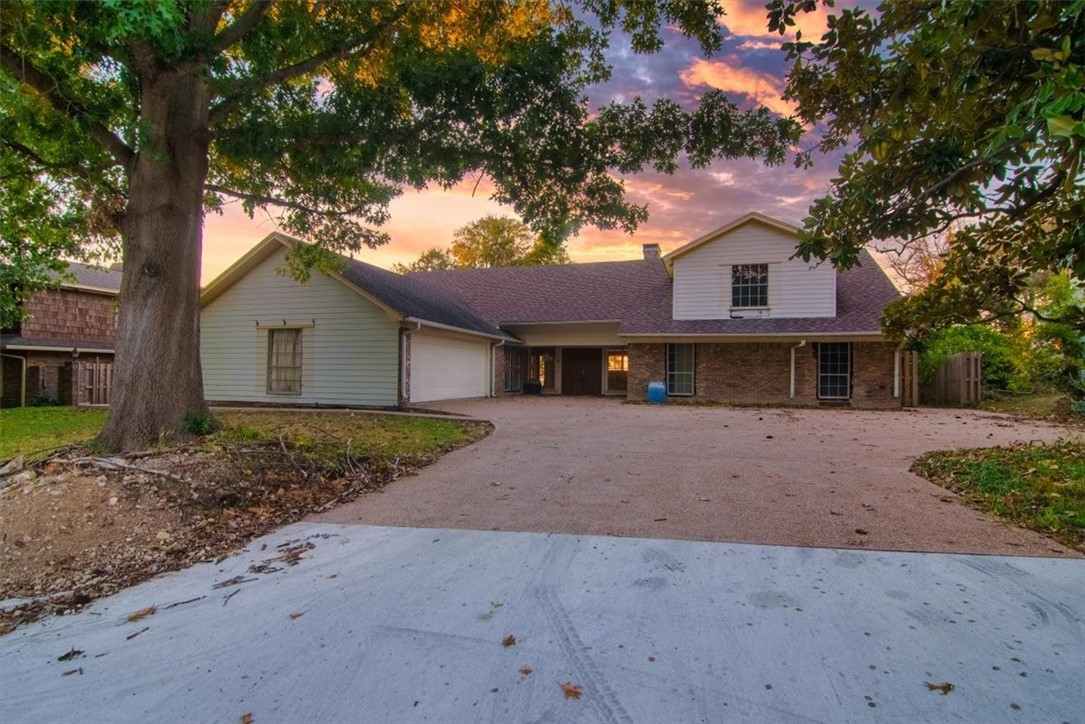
<point>306,66</point>
<point>21,69</point>
<point>245,22</point>
<point>276,201</point>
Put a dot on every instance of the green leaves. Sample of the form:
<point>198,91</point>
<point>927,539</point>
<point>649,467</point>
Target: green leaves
<point>961,116</point>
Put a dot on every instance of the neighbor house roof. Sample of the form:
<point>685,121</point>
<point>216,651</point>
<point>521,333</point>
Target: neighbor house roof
<point>93,279</point>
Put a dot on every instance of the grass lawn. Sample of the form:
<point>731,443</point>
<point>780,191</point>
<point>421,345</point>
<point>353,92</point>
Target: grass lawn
<point>30,430</point>
<point>1041,487</point>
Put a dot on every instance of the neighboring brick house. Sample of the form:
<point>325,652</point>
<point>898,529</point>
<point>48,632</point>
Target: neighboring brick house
<point>730,317</point>
<point>62,350</point>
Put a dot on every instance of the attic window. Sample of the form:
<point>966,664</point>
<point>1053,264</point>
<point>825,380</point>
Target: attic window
<point>749,286</point>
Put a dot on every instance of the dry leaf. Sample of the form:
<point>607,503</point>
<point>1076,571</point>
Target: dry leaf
<point>703,499</point>
<point>246,718</point>
<point>131,636</point>
<point>571,690</point>
<point>862,531</point>
<point>509,640</point>
<point>74,653</point>
<point>142,613</point>
<point>526,670</point>
<point>331,576</point>
<point>296,614</point>
<point>69,672</point>
<point>945,687</point>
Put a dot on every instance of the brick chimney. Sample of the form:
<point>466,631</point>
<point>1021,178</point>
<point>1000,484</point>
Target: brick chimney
<point>651,251</point>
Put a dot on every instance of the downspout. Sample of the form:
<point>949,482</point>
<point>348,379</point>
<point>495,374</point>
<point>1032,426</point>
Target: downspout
<point>896,370</point>
<point>22,389</point>
<point>493,367</point>
<point>800,345</point>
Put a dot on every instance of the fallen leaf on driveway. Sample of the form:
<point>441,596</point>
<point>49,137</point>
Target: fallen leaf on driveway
<point>142,613</point>
<point>945,687</point>
<point>246,719</point>
<point>69,672</point>
<point>74,653</point>
<point>131,636</point>
<point>571,690</point>
<point>658,520</point>
<point>296,614</point>
<point>509,640</point>
<point>526,670</point>
<point>862,531</point>
<point>704,499</point>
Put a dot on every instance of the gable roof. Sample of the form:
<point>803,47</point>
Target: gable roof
<point>751,217</point>
<point>861,294</point>
<point>400,297</point>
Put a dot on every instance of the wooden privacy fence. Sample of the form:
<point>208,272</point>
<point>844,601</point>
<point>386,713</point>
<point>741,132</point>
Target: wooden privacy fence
<point>909,378</point>
<point>97,380</point>
<point>956,383</point>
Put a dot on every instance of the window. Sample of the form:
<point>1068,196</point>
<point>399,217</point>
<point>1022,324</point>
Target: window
<point>749,285</point>
<point>284,362</point>
<point>617,370</point>
<point>542,367</point>
<point>834,370</point>
<point>514,368</point>
<point>679,369</point>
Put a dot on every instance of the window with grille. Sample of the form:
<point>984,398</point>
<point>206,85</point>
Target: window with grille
<point>834,370</point>
<point>679,369</point>
<point>749,285</point>
<point>284,361</point>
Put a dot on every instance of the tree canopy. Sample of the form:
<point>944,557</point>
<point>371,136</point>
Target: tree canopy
<point>153,111</point>
<point>488,242</point>
<point>964,114</point>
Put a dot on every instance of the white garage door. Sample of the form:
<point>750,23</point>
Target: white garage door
<point>444,368</point>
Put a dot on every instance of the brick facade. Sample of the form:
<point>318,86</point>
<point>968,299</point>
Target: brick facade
<point>69,314</point>
<point>759,373</point>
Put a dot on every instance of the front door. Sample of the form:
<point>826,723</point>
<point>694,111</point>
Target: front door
<point>581,371</point>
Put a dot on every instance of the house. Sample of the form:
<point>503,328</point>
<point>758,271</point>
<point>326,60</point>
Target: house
<point>62,351</point>
<point>730,317</point>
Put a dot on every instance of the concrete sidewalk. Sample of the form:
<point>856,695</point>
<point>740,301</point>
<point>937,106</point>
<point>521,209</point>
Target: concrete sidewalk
<point>406,625</point>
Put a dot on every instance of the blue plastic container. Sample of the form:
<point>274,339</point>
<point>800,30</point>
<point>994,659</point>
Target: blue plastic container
<point>657,393</point>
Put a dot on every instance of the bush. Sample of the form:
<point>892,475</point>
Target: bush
<point>42,400</point>
<point>1003,368</point>
<point>198,423</point>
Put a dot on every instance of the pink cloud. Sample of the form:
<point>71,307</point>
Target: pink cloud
<point>726,75</point>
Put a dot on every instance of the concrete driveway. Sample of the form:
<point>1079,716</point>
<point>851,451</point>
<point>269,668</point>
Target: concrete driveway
<point>834,478</point>
<point>406,625</point>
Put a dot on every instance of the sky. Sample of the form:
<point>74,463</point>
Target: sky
<point>750,68</point>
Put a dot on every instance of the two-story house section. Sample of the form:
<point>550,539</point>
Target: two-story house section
<point>730,317</point>
<point>62,350</point>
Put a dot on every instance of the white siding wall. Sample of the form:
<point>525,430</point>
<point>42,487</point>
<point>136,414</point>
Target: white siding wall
<point>350,356</point>
<point>702,277</point>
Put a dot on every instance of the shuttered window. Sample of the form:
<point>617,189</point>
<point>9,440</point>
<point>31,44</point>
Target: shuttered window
<point>284,361</point>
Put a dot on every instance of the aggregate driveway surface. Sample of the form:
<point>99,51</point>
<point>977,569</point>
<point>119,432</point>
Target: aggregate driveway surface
<point>773,476</point>
<point>405,625</point>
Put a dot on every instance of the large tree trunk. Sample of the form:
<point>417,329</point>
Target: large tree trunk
<point>157,376</point>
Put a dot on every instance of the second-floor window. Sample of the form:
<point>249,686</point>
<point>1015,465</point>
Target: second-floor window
<point>749,285</point>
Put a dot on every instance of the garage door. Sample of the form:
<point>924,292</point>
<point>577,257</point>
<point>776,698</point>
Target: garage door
<point>445,368</point>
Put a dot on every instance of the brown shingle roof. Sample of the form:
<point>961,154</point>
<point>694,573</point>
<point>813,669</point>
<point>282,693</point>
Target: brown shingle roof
<point>638,294</point>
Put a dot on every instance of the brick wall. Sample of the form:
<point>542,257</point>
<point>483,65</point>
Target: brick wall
<point>499,372</point>
<point>69,314</point>
<point>759,373</point>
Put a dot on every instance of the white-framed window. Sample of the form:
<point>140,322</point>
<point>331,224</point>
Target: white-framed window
<point>680,365</point>
<point>749,286</point>
<point>834,370</point>
<point>284,361</point>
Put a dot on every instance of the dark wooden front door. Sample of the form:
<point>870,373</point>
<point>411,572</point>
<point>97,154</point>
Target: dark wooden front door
<point>581,371</point>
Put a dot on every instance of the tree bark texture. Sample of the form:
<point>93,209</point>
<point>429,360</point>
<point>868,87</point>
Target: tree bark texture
<point>157,375</point>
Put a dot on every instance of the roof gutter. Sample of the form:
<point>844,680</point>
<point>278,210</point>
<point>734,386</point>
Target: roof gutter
<point>448,327</point>
<point>75,351</point>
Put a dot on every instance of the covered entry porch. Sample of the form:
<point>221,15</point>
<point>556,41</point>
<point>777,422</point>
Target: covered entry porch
<point>566,370</point>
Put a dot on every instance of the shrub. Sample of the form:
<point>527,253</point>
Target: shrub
<point>198,423</point>
<point>1003,368</point>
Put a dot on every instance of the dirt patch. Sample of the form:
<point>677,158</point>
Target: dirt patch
<point>76,527</point>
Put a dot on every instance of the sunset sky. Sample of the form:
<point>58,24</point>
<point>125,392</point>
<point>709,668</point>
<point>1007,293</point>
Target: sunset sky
<point>750,68</point>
